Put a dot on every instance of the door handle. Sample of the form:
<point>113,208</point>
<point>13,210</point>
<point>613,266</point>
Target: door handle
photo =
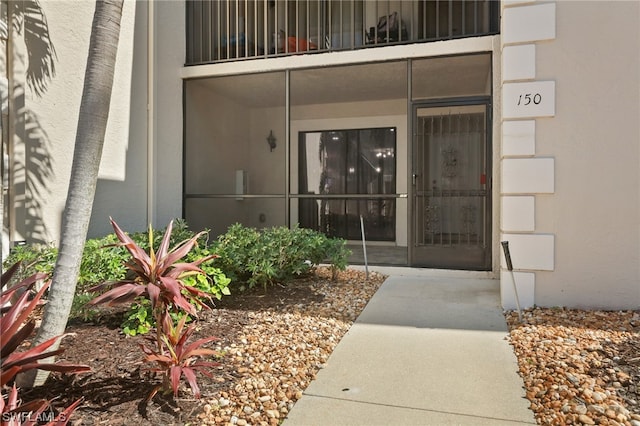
<point>414,178</point>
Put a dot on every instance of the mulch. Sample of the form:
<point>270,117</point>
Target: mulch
<point>115,391</point>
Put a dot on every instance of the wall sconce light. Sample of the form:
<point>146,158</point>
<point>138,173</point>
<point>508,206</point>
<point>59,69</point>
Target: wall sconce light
<point>271,140</point>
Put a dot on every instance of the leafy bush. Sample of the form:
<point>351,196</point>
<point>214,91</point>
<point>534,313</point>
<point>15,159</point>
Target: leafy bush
<point>235,250</point>
<point>30,260</point>
<point>139,319</point>
<point>159,278</point>
<point>214,281</point>
<point>103,260</point>
<point>275,254</point>
<point>337,254</point>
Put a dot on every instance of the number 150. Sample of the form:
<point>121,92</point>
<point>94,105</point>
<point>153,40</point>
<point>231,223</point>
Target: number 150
<point>527,99</point>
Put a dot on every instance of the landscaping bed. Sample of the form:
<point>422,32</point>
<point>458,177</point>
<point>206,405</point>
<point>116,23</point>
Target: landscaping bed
<point>272,344</point>
<point>579,367</point>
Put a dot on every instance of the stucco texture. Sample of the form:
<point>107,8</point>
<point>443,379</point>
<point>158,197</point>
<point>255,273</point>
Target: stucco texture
<point>594,138</point>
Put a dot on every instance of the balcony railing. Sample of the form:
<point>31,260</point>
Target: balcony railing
<point>223,30</point>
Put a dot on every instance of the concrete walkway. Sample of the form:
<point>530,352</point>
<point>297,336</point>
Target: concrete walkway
<point>426,350</point>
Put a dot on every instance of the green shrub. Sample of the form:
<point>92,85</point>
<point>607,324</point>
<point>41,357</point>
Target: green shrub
<point>99,261</point>
<point>139,319</point>
<point>337,255</point>
<point>103,261</point>
<point>80,309</point>
<point>235,249</point>
<point>36,258</point>
<point>275,254</point>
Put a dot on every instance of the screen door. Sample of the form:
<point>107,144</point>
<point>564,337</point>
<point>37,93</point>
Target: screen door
<point>451,187</point>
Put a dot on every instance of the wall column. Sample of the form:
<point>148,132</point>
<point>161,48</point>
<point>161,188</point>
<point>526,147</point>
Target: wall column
<point>525,176</point>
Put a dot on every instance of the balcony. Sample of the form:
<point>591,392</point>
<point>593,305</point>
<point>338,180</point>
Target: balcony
<point>226,30</point>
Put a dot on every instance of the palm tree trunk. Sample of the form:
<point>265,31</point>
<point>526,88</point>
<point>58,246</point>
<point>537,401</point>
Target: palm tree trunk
<point>92,123</point>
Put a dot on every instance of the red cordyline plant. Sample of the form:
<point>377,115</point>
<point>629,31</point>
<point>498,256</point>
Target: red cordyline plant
<point>178,358</point>
<point>16,325</point>
<point>13,413</point>
<point>159,277</point>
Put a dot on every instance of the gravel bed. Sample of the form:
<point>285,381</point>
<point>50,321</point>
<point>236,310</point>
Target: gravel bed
<point>579,367</point>
<point>279,351</point>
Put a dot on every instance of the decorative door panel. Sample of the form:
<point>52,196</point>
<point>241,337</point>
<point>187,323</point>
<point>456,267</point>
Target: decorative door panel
<point>451,187</point>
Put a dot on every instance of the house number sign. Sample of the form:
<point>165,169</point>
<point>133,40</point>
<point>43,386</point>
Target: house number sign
<point>531,99</point>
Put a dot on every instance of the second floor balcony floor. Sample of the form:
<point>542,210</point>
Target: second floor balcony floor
<point>226,30</point>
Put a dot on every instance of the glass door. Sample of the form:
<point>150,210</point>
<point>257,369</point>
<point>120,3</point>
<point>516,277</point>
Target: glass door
<point>346,175</point>
<point>451,187</point>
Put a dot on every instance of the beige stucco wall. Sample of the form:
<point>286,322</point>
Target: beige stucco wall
<point>595,140</point>
<point>169,54</point>
<point>57,113</point>
<point>123,187</point>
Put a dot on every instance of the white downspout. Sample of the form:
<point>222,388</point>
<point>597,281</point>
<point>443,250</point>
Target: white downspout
<point>150,111</point>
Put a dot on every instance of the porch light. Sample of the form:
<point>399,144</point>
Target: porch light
<point>271,140</point>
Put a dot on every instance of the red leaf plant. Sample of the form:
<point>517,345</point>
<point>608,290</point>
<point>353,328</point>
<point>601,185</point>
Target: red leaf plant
<point>159,276</point>
<point>13,413</point>
<point>176,357</point>
<point>16,325</point>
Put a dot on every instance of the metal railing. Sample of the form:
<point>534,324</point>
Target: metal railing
<point>223,30</point>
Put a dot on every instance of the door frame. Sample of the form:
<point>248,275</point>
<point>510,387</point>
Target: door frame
<point>487,101</point>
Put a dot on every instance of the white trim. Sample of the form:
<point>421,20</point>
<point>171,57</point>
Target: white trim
<point>519,62</point>
<point>150,111</point>
<point>518,214</point>
<point>529,23</point>
<point>528,175</point>
<point>387,53</point>
<point>526,284</point>
<point>530,252</point>
<point>519,138</point>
